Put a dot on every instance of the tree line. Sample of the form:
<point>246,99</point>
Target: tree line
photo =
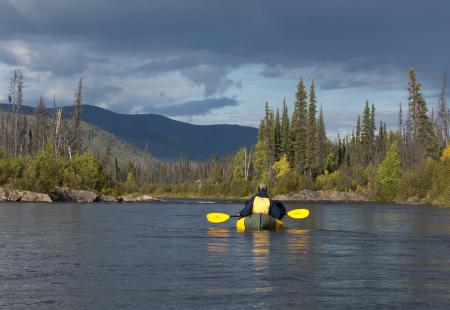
<point>292,152</point>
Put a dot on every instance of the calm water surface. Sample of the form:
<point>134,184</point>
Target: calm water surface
<point>167,256</point>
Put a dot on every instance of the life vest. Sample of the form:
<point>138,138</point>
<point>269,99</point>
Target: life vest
<point>261,205</point>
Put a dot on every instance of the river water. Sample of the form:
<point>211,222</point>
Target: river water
<point>167,256</point>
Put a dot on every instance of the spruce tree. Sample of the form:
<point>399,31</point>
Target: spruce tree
<point>285,135</point>
<point>299,121</point>
<point>358,130</point>
<point>277,133</point>
<point>262,130</point>
<point>270,141</point>
<point>400,121</point>
<point>443,116</point>
<point>413,98</point>
<point>367,134</point>
<point>322,140</point>
<point>381,141</point>
<point>423,133</point>
<point>41,127</point>
<point>312,140</point>
<point>372,124</point>
<point>75,143</point>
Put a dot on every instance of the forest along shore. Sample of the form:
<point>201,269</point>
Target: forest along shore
<point>47,153</point>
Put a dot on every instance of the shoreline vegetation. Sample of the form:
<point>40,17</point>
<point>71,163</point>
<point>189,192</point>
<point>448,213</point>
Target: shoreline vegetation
<point>44,154</point>
<point>84,196</point>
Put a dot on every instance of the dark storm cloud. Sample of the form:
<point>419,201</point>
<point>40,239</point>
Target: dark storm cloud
<point>98,94</point>
<point>271,72</point>
<point>205,40</point>
<point>198,107</point>
<point>272,32</point>
<point>202,68</point>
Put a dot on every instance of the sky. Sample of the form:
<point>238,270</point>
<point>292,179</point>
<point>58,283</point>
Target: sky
<point>210,62</point>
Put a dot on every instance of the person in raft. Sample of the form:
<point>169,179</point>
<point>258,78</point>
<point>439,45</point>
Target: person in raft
<point>261,203</point>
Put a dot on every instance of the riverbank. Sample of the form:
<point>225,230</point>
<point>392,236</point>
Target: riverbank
<point>64,194</point>
<point>83,196</point>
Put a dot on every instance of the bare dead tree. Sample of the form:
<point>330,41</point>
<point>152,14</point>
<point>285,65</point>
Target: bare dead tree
<point>15,99</point>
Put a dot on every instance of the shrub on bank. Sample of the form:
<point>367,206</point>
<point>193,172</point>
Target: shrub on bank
<point>10,168</point>
<point>46,170</point>
<point>417,182</point>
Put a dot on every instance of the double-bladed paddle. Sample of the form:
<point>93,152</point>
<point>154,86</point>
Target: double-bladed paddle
<point>222,217</point>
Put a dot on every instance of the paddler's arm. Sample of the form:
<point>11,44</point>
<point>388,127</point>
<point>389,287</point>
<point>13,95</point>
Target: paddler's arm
<point>248,208</point>
<point>275,211</point>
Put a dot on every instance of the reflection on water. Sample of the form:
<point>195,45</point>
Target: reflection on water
<point>260,262</point>
<point>167,256</point>
<point>298,241</point>
<point>219,239</point>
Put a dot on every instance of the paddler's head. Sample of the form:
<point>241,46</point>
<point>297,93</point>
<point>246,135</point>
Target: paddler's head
<point>262,188</point>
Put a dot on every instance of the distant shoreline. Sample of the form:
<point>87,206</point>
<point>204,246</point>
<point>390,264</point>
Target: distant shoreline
<point>83,196</point>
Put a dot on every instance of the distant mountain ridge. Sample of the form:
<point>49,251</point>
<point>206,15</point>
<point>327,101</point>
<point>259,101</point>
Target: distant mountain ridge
<point>166,138</point>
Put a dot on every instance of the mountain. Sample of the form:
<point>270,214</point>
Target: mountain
<point>166,138</point>
<point>101,143</point>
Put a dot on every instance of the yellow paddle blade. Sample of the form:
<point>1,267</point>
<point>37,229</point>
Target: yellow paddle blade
<point>298,213</point>
<point>217,217</point>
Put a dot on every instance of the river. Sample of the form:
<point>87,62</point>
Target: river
<point>167,256</point>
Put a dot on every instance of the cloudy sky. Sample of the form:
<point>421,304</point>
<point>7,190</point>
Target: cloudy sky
<point>208,61</point>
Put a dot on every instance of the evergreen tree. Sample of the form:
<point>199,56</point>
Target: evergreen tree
<point>75,143</point>
<point>381,141</point>
<point>413,98</point>
<point>443,116</point>
<point>358,130</point>
<point>366,134</point>
<point>270,141</point>
<point>260,162</point>
<point>312,140</point>
<point>322,141</point>
<point>285,135</point>
<point>372,124</point>
<point>400,121</point>
<point>299,121</point>
<point>262,130</point>
<point>41,127</point>
<point>277,134</point>
<point>424,136</point>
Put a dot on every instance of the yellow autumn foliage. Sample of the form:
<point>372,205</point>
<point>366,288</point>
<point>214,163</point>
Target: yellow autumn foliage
<point>281,167</point>
<point>446,153</point>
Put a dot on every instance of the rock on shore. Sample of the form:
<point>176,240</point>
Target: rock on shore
<point>309,195</point>
<point>416,200</point>
<point>137,198</point>
<point>22,196</point>
<point>106,198</point>
<point>66,194</point>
